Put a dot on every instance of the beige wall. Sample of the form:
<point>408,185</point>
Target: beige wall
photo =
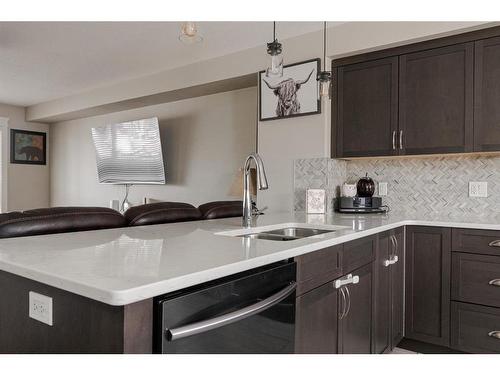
<point>206,141</point>
<point>28,185</point>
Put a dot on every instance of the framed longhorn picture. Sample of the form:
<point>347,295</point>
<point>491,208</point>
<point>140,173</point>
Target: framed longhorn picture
<point>27,147</point>
<point>294,94</point>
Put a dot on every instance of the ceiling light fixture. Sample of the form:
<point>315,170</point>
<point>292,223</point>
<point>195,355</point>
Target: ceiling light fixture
<point>274,49</point>
<point>189,33</point>
<point>324,77</point>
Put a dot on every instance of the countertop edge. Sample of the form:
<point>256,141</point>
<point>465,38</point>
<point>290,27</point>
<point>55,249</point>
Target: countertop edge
<point>128,296</point>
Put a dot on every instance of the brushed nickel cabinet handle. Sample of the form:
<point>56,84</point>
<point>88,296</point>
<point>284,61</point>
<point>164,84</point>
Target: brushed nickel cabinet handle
<point>494,334</point>
<point>495,243</point>
<point>348,294</point>
<point>344,303</point>
<point>394,140</point>
<point>400,139</point>
<point>495,282</point>
<point>394,244</point>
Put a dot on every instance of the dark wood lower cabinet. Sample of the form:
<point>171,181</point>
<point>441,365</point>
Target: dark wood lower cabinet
<point>475,328</point>
<point>428,263</point>
<point>316,321</point>
<point>355,328</point>
<point>382,291</point>
<point>388,303</point>
<point>81,325</point>
<point>397,289</point>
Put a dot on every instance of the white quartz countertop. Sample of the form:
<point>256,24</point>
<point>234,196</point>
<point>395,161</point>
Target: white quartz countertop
<point>126,265</point>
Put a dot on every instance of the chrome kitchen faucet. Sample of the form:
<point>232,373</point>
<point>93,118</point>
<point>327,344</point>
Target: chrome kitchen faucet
<point>261,185</point>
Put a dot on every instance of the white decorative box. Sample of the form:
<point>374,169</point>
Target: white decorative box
<point>316,201</point>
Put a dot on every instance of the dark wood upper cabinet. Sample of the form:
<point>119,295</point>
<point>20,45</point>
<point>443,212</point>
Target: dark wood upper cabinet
<point>367,109</point>
<point>433,97</point>
<point>436,100</point>
<point>487,95</point>
<point>428,264</point>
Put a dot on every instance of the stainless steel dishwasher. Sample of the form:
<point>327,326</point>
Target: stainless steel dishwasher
<point>251,312</point>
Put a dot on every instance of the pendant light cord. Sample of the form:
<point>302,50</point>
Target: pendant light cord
<point>324,46</point>
<point>274,31</point>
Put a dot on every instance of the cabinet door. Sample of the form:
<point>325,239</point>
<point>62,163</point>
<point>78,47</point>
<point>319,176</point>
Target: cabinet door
<point>487,95</point>
<point>316,321</point>
<point>397,288</point>
<point>382,297</point>
<point>436,100</point>
<point>389,291</point>
<point>364,114</point>
<point>428,254</point>
<point>355,328</point>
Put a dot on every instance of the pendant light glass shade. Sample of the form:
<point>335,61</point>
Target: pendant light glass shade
<point>324,84</point>
<point>274,50</point>
<point>276,67</point>
<point>324,77</point>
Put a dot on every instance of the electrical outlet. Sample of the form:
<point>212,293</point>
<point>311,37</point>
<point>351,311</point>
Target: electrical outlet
<point>382,189</point>
<point>478,189</point>
<point>40,308</point>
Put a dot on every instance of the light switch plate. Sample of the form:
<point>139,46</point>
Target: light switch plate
<point>40,308</point>
<point>478,189</point>
<point>382,189</point>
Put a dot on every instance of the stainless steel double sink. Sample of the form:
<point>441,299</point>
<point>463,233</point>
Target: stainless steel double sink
<point>286,234</point>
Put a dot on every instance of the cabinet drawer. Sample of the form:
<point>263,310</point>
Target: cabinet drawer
<point>317,268</point>
<point>357,253</point>
<point>474,279</point>
<point>472,326</point>
<point>476,241</point>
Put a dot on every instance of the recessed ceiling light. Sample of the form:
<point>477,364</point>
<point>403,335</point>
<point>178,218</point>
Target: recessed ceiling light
<point>189,33</point>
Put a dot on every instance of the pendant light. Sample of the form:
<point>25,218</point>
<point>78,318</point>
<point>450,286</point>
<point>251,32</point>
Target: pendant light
<point>324,77</point>
<point>274,49</point>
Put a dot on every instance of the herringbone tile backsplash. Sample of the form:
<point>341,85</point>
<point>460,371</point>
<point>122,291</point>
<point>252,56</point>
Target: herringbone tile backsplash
<point>437,184</point>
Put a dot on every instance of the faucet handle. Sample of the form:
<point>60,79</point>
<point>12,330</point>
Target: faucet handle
<point>256,211</point>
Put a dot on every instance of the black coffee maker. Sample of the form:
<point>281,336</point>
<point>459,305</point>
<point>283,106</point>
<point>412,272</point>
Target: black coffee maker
<point>364,201</point>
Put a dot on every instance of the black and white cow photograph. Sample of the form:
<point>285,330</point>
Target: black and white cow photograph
<point>293,94</point>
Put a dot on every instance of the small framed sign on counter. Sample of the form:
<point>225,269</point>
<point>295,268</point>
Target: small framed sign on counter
<point>316,201</point>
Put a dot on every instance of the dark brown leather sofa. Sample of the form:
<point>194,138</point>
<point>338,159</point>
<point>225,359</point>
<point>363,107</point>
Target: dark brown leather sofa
<point>75,219</point>
<point>161,213</point>
<point>221,209</point>
<point>58,220</point>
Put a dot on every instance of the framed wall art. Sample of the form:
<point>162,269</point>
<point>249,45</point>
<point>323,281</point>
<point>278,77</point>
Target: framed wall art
<point>28,147</point>
<point>294,94</point>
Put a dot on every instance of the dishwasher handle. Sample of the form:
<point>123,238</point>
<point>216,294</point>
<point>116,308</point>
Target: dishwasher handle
<point>220,321</point>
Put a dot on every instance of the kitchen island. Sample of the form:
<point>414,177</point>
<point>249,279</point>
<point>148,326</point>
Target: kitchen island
<point>118,272</point>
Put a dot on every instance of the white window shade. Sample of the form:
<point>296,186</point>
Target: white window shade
<point>129,153</point>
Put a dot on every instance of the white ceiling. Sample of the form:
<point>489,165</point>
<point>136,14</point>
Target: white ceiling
<point>41,61</point>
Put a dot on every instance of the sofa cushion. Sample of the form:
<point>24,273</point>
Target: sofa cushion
<point>221,209</point>
<point>160,213</point>
<point>58,220</point>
